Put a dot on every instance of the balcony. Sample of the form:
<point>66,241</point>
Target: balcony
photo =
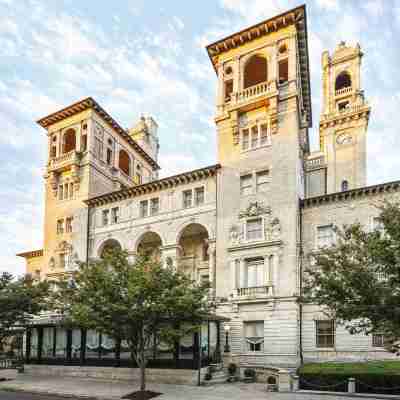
<point>344,91</point>
<point>315,161</point>
<point>250,95</point>
<point>361,106</point>
<point>122,178</point>
<point>64,161</point>
<point>254,293</point>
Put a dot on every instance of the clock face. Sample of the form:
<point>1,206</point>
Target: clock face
<point>345,138</point>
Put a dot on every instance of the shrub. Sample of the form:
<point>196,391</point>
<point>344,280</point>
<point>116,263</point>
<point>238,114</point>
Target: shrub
<point>232,368</point>
<point>250,373</point>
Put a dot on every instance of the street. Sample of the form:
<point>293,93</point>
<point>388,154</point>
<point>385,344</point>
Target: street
<point>25,396</point>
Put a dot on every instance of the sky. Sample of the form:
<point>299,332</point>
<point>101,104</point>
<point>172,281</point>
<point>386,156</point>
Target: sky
<point>148,57</point>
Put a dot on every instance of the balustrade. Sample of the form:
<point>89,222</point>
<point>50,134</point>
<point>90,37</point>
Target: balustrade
<point>257,291</point>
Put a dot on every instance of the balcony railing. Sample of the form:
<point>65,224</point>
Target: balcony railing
<point>342,91</point>
<point>316,162</point>
<point>351,108</point>
<point>72,157</point>
<point>253,91</point>
<point>255,292</point>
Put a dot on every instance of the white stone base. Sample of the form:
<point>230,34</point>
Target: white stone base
<point>175,376</point>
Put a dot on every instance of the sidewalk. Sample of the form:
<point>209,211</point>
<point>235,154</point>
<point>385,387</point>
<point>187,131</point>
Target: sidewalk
<point>112,390</point>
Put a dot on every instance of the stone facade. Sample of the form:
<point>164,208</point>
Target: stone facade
<point>240,224</point>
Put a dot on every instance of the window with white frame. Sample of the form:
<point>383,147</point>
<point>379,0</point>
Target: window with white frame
<point>325,236</point>
<point>68,224</point>
<point>60,192</point>
<point>325,333</point>
<point>105,216</point>
<point>254,335</point>
<point>187,198</point>
<point>154,206</point>
<point>60,226</point>
<point>245,139</point>
<point>199,196</point>
<point>246,184</point>
<point>254,229</point>
<point>378,340</point>
<point>262,180</point>
<point>377,224</point>
<point>115,215</point>
<point>255,272</point>
<point>144,208</point>
<point>255,136</point>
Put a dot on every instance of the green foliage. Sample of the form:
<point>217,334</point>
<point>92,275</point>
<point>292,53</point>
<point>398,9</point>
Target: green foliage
<point>19,300</point>
<point>141,302</point>
<point>370,367</point>
<point>357,280</point>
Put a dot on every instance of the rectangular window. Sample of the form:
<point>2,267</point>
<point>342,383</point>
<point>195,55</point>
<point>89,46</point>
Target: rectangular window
<point>109,156</point>
<point>66,191</point>
<point>283,68</point>
<point>144,208</point>
<point>255,272</point>
<point>60,226</point>
<point>325,333</point>
<point>246,183</point>
<point>264,135</point>
<point>62,260</point>
<point>154,206</point>
<point>254,229</point>
<point>115,215</point>
<point>228,89</point>
<point>98,148</point>
<point>60,192</point>
<point>105,217</point>
<point>71,190</point>
<point>262,179</point>
<point>245,139</point>
<point>84,143</point>
<point>199,196</point>
<point>377,340</point>
<point>324,236</point>
<point>254,137</point>
<point>254,335</point>
<point>187,198</point>
<point>68,224</point>
<point>53,151</point>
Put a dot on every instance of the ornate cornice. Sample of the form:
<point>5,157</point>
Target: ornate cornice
<point>31,254</point>
<point>339,118</point>
<point>297,16</point>
<point>154,186</point>
<point>90,103</point>
<point>353,194</point>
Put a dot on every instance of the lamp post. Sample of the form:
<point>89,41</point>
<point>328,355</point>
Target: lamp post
<point>227,328</point>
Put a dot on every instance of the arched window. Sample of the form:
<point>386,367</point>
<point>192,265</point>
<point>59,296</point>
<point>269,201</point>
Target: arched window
<point>255,71</point>
<point>345,185</point>
<point>124,162</point>
<point>69,141</point>
<point>108,246</point>
<point>343,80</point>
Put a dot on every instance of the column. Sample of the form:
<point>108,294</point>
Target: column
<point>236,75</point>
<point>233,276</point>
<point>220,89</point>
<point>211,265</point>
<point>242,274</point>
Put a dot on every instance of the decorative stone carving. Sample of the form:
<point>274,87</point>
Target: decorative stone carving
<point>254,209</point>
<point>235,234</point>
<point>64,247</point>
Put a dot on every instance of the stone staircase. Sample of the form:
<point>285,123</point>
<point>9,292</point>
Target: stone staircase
<point>219,374</point>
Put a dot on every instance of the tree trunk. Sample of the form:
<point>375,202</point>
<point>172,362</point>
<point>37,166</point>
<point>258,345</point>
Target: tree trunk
<point>142,376</point>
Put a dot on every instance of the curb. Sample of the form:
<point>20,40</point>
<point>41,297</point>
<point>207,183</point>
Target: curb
<point>55,394</point>
<point>354,395</point>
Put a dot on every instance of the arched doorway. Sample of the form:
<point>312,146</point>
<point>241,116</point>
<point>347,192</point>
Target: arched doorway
<point>343,80</point>
<point>124,162</point>
<point>255,71</point>
<point>69,141</point>
<point>108,246</point>
<point>149,245</point>
<point>194,257</point>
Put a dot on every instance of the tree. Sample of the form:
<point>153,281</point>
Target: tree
<point>357,280</point>
<point>19,300</point>
<point>140,303</point>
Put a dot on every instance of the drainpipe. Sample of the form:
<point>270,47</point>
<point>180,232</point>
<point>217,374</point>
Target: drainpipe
<point>87,234</point>
<point>301,284</point>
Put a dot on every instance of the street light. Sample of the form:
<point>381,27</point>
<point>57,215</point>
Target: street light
<point>227,328</point>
